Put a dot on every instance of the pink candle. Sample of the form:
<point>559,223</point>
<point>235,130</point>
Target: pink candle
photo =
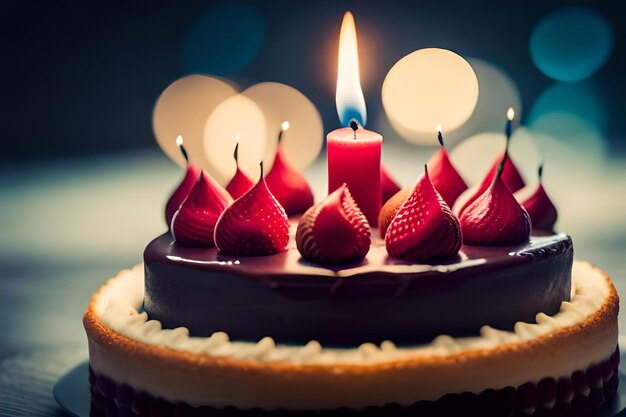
<point>353,152</point>
<point>354,159</point>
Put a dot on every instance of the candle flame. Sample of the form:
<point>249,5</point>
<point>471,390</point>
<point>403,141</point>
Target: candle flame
<point>284,126</point>
<point>510,114</point>
<point>179,140</point>
<point>349,96</point>
<point>439,127</point>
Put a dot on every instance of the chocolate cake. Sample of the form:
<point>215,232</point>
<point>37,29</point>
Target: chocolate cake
<point>376,299</point>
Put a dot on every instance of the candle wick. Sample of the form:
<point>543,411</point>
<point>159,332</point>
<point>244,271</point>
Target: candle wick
<point>236,154</point>
<point>510,115</point>
<point>540,171</point>
<point>184,152</point>
<point>283,128</point>
<point>440,138</point>
<point>354,126</point>
<point>261,165</point>
<point>504,157</point>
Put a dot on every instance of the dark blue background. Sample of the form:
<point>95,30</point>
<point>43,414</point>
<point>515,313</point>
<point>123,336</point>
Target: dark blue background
<point>82,77</point>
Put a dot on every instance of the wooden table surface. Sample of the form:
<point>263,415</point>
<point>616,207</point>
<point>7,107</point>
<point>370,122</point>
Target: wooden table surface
<point>67,226</point>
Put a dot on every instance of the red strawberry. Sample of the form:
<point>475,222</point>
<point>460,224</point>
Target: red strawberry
<point>289,186</point>
<point>388,185</point>
<point>495,218</point>
<point>444,176</point>
<point>540,208</point>
<point>240,183</point>
<point>194,223</point>
<point>510,176</point>
<point>181,192</point>
<point>254,225</point>
<point>425,227</point>
<point>335,231</point>
<point>391,208</point>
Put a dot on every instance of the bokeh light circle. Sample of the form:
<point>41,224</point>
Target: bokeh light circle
<point>571,137</point>
<point>303,140</point>
<point>578,99</point>
<point>428,87</point>
<point>182,109</point>
<point>571,43</point>
<point>573,118</point>
<point>237,119</point>
<point>498,92</point>
<point>225,39</point>
<point>474,156</point>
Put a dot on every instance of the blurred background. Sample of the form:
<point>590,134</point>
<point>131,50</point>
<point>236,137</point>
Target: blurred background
<point>83,181</point>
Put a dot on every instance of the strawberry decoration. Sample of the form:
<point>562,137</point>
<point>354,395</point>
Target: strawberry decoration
<point>240,183</point>
<point>286,184</point>
<point>194,223</point>
<point>388,185</point>
<point>391,208</point>
<point>503,167</point>
<point>510,177</point>
<point>184,188</point>
<point>495,218</point>
<point>424,228</point>
<point>334,231</point>
<point>540,208</point>
<point>254,225</point>
<point>444,176</point>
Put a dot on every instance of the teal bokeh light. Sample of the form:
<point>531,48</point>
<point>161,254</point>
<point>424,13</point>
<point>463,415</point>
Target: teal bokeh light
<point>577,99</point>
<point>571,43</point>
<point>224,39</point>
<point>571,119</point>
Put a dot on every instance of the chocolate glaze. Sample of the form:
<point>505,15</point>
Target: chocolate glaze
<point>378,299</point>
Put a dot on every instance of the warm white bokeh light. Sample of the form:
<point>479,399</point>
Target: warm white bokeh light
<point>349,96</point>
<point>182,110</point>
<point>237,119</point>
<point>474,156</point>
<point>427,87</point>
<point>497,93</point>
<point>282,104</point>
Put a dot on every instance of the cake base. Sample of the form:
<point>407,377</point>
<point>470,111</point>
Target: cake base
<point>133,357</point>
<point>581,394</point>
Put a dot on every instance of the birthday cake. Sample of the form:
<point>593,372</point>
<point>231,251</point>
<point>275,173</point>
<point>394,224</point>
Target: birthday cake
<point>241,310</point>
<point>433,300</point>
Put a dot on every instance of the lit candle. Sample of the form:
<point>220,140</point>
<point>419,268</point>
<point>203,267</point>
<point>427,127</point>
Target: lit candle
<point>286,184</point>
<point>184,188</point>
<point>354,152</point>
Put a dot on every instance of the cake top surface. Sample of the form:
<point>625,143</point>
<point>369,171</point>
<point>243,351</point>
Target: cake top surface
<point>377,262</point>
